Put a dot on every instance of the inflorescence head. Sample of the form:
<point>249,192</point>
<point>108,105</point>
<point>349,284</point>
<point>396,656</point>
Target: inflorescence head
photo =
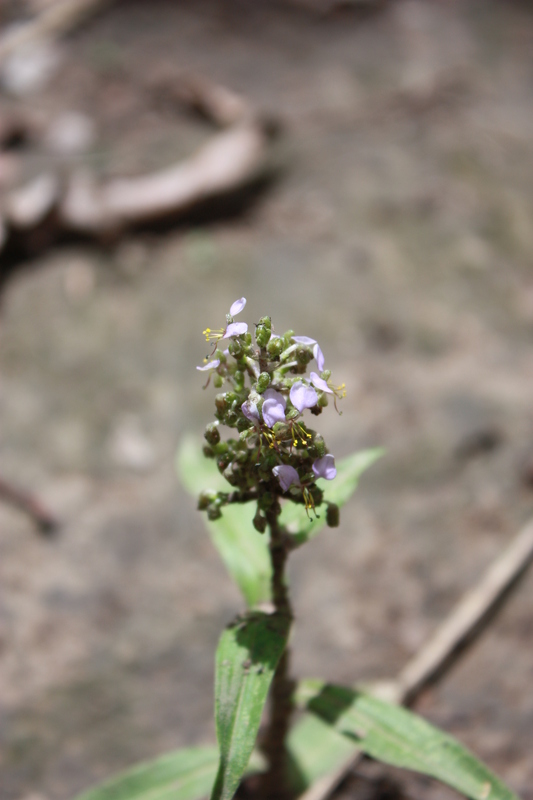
<point>274,453</point>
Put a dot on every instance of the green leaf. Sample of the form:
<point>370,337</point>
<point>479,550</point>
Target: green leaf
<point>247,657</point>
<point>315,749</point>
<point>182,775</point>
<point>243,550</point>
<point>338,491</point>
<point>396,736</point>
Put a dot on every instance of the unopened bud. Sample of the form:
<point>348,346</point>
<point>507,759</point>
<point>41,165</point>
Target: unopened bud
<point>218,381</point>
<point>319,446</point>
<point>266,321</point>
<point>221,402</point>
<point>208,451</point>
<point>263,382</point>
<point>262,335</point>
<point>275,347</point>
<point>236,348</point>
<point>213,512</point>
<point>332,515</point>
<point>204,500</point>
<point>212,434</point>
<point>322,400</point>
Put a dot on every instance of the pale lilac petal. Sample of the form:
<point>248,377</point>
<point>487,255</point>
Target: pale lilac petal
<point>273,412</point>
<point>272,394</point>
<point>210,365</point>
<point>237,306</point>
<point>286,475</point>
<point>303,340</point>
<point>250,410</point>
<point>303,396</point>
<point>325,467</point>
<point>235,329</point>
<point>320,383</point>
<point>319,355</point>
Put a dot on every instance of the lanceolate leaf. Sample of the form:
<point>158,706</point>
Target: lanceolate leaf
<point>396,736</point>
<point>182,775</point>
<point>247,656</point>
<point>338,491</point>
<point>244,550</point>
<point>315,749</point>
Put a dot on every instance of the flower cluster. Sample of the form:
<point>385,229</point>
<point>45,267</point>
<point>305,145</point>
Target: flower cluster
<point>266,392</point>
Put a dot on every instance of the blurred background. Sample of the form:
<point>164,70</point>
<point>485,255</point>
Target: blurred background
<point>375,192</point>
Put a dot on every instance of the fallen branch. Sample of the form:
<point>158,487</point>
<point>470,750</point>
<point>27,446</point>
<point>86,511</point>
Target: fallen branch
<point>463,623</point>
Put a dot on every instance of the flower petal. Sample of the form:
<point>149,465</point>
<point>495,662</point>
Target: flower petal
<point>319,355</point>
<point>272,412</point>
<point>210,365</point>
<point>286,475</point>
<point>303,396</point>
<point>237,306</point>
<point>235,329</point>
<point>303,340</point>
<point>325,467</point>
<point>250,410</point>
<point>272,394</point>
<point>320,383</point>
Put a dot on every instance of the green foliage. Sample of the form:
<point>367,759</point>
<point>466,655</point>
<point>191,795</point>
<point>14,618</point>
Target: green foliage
<point>182,775</point>
<point>315,749</point>
<point>243,551</point>
<point>396,736</point>
<point>247,656</point>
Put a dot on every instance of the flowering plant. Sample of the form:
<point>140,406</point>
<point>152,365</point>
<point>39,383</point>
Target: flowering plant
<point>274,461</point>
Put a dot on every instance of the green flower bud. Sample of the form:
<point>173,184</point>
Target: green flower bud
<point>212,434</point>
<point>262,335</point>
<point>204,500</point>
<point>220,402</point>
<point>267,322</point>
<point>236,348</point>
<point>332,515</point>
<point>326,375</point>
<point>213,512</point>
<point>303,355</point>
<point>318,446</point>
<point>208,452</point>
<point>287,337</point>
<point>292,414</point>
<point>229,475</point>
<point>263,382</point>
<point>218,381</point>
<point>238,377</point>
<point>322,400</point>
<point>275,347</point>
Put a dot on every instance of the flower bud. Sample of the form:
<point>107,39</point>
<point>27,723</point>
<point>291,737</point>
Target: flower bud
<point>303,355</point>
<point>212,434</point>
<point>221,402</point>
<point>218,381</point>
<point>263,382</point>
<point>238,377</point>
<point>213,512</point>
<point>267,322</point>
<point>236,349</point>
<point>229,475</point>
<point>332,515</point>
<point>275,347</point>
<point>204,500</point>
<point>262,335</point>
<point>318,446</point>
<point>208,452</point>
<point>322,400</point>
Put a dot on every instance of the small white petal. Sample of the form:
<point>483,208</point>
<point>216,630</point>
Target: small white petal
<point>303,340</point>
<point>237,306</point>
<point>210,365</point>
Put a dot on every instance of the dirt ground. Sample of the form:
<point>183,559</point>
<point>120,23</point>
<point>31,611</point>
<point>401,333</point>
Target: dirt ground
<point>399,233</point>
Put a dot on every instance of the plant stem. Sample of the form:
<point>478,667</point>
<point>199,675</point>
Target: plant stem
<point>275,782</point>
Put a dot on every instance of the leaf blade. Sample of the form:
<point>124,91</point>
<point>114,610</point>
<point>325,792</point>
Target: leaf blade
<point>246,659</point>
<point>396,736</point>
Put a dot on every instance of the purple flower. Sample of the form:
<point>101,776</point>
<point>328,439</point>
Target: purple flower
<point>273,407</point>
<point>303,396</point>
<point>286,475</point>
<point>325,467</point>
<point>232,328</point>
<point>210,365</point>
<point>320,383</point>
<point>317,352</point>
<point>250,411</point>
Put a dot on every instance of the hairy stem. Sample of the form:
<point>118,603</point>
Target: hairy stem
<point>275,783</point>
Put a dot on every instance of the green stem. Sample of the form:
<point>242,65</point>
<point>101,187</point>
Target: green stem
<point>275,781</point>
